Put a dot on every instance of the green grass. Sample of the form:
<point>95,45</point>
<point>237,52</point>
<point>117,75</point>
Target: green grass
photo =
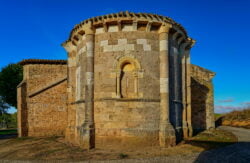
<point>217,115</point>
<point>6,132</point>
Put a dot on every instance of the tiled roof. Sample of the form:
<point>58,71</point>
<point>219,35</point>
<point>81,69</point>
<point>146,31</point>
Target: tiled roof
<point>42,61</point>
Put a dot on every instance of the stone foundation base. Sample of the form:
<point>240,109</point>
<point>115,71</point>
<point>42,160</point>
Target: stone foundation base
<point>70,135</point>
<point>190,131</point>
<point>179,134</point>
<point>167,136</point>
<point>86,136</point>
<point>115,142</point>
<point>185,132</point>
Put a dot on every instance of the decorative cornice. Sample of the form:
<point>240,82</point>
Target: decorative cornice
<point>69,46</point>
<point>192,41</point>
<point>165,27</point>
<point>126,16</point>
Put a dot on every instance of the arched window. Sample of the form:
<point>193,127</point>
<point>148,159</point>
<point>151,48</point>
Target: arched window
<point>127,71</point>
<point>128,80</point>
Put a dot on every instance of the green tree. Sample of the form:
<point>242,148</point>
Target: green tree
<point>3,106</point>
<point>10,77</point>
<point>13,120</point>
<point>3,113</point>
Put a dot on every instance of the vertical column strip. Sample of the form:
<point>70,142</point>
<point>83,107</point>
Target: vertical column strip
<point>166,134</point>
<point>188,80</point>
<point>88,132</point>
<point>184,92</point>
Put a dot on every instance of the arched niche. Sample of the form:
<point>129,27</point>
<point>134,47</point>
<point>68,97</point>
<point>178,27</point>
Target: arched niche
<point>128,71</point>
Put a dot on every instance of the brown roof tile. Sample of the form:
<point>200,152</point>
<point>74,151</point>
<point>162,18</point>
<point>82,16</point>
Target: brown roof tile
<point>42,61</point>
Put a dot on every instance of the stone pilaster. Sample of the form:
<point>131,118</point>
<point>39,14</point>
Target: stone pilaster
<point>71,50</point>
<point>184,92</point>
<point>167,134</point>
<point>88,130</point>
<point>183,52</point>
<point>188,91</point>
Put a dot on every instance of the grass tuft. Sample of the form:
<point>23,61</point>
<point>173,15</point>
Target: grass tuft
<point>122,155</point>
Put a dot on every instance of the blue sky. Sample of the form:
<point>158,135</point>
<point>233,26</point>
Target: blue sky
<point>36,28</point>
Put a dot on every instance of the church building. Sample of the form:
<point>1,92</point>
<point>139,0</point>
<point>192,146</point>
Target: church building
<point>128,81</point>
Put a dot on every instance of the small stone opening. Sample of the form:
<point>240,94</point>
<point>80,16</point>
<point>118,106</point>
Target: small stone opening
<point>127,80</point>
<point>128,71</point>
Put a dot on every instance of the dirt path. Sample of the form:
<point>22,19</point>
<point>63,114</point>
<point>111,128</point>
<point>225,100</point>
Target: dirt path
<point>50,149</point>
<point>238,152</point>
<point>242,134</point>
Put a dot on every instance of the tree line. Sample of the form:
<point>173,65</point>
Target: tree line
<point>10,76</point>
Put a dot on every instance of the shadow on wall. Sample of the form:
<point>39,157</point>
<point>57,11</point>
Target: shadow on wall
<point>175,88</point>
<point>238,152</point>
<point>199,94</point>
<point>24,112</point>
<point>218,122</point>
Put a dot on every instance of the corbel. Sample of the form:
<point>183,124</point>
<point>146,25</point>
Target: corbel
<point>148,26</point>
<point>119,23</point>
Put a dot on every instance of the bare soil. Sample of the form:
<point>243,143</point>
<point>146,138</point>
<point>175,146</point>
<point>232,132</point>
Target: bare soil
<point>55,148</point>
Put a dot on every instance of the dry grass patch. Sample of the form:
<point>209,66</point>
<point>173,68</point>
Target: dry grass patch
<point>236,119</point>
<point>214,138</point>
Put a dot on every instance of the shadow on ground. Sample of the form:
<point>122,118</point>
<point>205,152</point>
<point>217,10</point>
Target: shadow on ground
<point>238,152</point>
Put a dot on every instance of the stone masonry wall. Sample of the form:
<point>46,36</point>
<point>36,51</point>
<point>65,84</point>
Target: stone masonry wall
<point>46,99</point>
<point>123,120</point>
<point>134,120</point>
<point>202,98</point>
<point>126,124</point>
<point>140,46</point>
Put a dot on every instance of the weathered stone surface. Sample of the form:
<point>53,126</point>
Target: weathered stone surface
<point>202,98</point>
<point>127,82</point>
<point>43,98</point>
